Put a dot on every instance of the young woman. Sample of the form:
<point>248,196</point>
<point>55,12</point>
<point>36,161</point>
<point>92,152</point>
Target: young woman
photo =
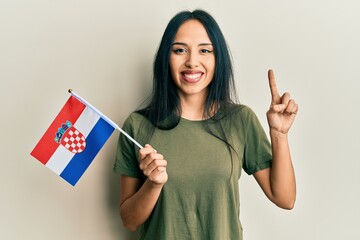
<point>206,138</point>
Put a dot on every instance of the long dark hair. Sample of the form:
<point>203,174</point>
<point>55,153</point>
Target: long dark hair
<point>163,109</point>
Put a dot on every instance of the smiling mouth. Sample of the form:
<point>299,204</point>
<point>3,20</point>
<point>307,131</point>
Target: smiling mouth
<point>192,77</point>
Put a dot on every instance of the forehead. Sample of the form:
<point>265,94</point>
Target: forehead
<point>192,31</point>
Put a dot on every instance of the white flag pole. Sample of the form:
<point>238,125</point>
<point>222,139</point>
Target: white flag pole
<point>104,117</point>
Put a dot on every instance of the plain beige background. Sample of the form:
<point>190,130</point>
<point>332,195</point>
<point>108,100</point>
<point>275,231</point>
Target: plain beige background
<point>104,50</point>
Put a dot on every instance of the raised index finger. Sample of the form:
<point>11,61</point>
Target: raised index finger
<point>275,97</point>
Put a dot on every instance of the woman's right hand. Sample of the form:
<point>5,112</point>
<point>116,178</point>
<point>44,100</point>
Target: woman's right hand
<point>138,199</point>
<point>153,165</point>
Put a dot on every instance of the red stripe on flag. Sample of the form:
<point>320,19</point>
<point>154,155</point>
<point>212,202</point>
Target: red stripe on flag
<point>47,145</point>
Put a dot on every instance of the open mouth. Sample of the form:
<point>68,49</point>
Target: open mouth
<point>191,77</point>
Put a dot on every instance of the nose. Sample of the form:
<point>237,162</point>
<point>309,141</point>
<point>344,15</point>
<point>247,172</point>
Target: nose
<point>192,60</point>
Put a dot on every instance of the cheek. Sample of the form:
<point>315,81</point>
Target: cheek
<point>173,73</point>
<point>172,67</point>
<point>210,65</point>
<point>175,64</point>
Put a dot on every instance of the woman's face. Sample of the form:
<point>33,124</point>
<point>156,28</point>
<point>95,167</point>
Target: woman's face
<point>192,60</point>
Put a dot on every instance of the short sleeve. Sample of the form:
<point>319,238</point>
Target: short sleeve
<point>126,162</point>
<point>257,152</point>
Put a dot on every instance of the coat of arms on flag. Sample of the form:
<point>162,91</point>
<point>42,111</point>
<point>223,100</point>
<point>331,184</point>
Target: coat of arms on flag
<point>73,140</point>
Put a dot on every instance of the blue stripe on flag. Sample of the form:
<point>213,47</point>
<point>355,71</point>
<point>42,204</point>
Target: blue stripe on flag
<point>81,161</point>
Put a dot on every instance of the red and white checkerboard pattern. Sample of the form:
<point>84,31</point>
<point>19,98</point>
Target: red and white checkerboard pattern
<point>74,141</point>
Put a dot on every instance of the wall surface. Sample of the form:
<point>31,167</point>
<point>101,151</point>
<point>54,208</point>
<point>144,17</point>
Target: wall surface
<point>104,50</point>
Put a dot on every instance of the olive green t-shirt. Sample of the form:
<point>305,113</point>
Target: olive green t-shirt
<point>200,200</point>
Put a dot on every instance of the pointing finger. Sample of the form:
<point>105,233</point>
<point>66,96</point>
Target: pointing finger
<point>275,97</point>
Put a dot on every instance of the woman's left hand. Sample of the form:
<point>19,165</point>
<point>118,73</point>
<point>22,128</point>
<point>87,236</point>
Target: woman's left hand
<point>283,109</point>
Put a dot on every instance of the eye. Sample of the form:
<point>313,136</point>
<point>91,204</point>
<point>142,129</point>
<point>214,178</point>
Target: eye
<point>179,50</point>
<point>204,51</point>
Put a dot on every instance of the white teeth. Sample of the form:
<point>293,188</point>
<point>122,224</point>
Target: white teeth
<point>193,76</point>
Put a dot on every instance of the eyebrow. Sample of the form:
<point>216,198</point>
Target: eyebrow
<point>184,44</point>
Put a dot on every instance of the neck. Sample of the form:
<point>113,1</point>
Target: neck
<point>192,107</point>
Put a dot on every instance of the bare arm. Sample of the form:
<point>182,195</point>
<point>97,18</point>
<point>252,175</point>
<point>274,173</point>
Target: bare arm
<point>278,182</point>
<point>137,201</point>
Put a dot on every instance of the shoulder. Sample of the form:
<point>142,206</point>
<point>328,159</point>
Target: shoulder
<point>139,127</point>
<point>239,111</point>
<point>240,116</point>
<point>132,122</point>
<point>134,119</point>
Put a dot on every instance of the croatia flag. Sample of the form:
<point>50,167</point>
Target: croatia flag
<point>72,141</point>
